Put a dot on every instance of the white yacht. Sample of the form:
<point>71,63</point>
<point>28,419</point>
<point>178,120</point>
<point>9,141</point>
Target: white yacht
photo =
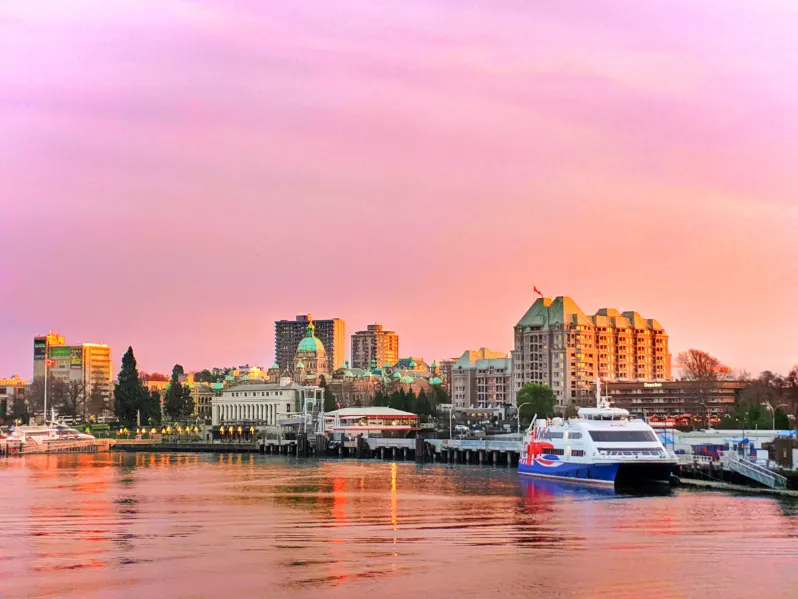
<point>48,434</point>
<point>602,445</point>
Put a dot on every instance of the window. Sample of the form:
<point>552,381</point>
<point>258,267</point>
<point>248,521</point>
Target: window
<point>574,435</point>
<point>553,451</point>
<point>577,453</point>
<point>623,436</point>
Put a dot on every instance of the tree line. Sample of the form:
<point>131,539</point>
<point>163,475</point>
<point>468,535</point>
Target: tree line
<point>133,402</point>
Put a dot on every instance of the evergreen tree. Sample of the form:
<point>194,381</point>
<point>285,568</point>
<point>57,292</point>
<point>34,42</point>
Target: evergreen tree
<point>423,406</point>
<point>410,401</point>
<point>19,411</point>
<point>130,395</point>
<point>329,400</point>
<point>204,376</point>
<point>178,403</point>
<point>151,413</point>
<point>3,409</point>
<point>177,372</point>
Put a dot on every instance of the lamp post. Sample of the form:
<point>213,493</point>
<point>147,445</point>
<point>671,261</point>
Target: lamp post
<point>451,415</point>
<point>518,414</point>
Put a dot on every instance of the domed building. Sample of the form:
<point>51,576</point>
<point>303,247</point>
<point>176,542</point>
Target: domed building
<point>310,359</point>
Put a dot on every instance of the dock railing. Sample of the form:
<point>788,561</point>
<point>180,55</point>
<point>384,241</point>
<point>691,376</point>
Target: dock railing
<point>753,471</point>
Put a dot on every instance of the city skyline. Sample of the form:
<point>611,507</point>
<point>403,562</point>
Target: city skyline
<point>178,176</point>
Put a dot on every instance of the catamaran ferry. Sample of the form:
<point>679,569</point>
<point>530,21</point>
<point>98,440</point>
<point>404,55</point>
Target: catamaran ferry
<point>602,445</point>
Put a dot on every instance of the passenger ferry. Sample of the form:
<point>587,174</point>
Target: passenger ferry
<point>602,445</point>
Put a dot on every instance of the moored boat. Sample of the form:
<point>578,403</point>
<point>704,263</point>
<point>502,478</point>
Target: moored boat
<point>603,445</point>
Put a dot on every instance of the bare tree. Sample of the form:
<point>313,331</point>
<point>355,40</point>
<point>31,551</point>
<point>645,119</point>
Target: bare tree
<point>705,371</point>
<point>70,399</point>
<point>97,402</point>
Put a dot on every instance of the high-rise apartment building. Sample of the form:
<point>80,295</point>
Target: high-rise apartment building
<point>558,345</point>
<point>374,344</point>
<point>288,334</point>
<point>481,379</point>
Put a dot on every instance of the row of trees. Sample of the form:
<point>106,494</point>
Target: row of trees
<point>132,400</point>
<point>407,401</point>
<point>68,398</point>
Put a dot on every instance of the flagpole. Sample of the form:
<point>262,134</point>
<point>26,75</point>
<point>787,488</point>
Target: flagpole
<point>46,360</point>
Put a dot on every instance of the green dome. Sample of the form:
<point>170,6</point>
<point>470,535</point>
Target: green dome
<point>217,386</point>
<point>229,377</point>
<point>396,374</point>
<point>434,363</point>
<point>348,374</point>
<point>300,364</point>
<point>406,379</point>
<point>366,373</point>
<point>386,365</point>
<point>275,366</point>
<point>435,381</point>
<point>312,344</point>
<point>412,363</point>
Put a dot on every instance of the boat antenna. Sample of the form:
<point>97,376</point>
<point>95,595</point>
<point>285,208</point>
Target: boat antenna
<point>598,392</point>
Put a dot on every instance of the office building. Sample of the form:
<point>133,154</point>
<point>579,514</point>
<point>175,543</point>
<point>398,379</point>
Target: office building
<point>289,333</point>
<point>558,345</point>
<point>481,378</point>
<point>374,345</point>
<point>40,345</point>
<point>88,363</point>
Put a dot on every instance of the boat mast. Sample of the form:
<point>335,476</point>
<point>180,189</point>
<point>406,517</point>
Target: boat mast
<point>598,392</point>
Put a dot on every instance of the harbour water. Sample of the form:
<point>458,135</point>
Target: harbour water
<point>194,526</point>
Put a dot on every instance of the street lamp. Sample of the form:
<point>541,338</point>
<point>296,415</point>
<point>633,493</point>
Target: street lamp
<point>518,414</point>
<point>772,411</point>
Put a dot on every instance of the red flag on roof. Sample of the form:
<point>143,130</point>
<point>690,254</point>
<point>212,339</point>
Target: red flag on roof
<point>537,291</point>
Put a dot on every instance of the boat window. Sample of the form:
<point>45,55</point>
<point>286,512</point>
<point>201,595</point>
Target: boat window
<point>577,453</point>
<point>622,436</point>
<point>553,451</point>
<point>574,435</point>
<point>554,435</point>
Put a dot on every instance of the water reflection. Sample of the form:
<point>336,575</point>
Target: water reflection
<point>186,525</point>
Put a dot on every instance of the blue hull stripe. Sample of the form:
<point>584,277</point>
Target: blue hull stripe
<point>597,473</point>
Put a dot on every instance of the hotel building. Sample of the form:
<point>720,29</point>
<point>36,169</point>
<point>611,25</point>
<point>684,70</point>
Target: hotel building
<point>374,345</point>
<point>481,378</point>
<point>289,333</point>
<point>558,345</point>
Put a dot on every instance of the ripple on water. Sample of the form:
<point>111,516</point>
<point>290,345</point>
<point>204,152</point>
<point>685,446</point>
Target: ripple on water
<point>122,525</point>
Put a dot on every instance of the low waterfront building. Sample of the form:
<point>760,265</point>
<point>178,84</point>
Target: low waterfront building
<point>685,403</point>
<point>370,422</point>
<point>261,404</point>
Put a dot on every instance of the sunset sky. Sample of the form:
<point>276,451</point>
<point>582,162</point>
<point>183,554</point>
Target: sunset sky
<point>176,175</point>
